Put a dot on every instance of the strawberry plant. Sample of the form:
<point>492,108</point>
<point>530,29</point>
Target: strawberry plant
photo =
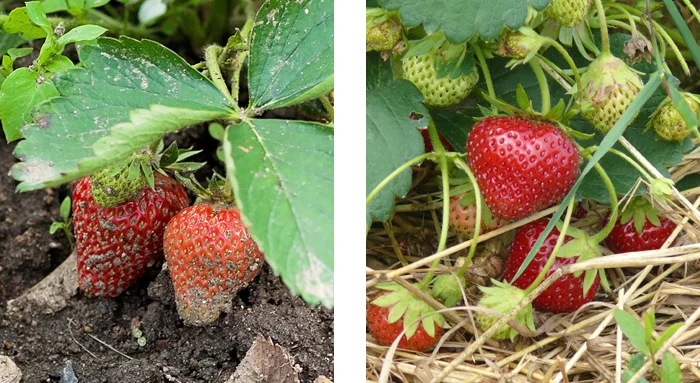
<point>554,137</point>
<point>99,117</point>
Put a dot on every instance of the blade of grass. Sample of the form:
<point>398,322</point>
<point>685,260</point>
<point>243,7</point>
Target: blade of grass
<point>685,32</point>
<point>605,145</point>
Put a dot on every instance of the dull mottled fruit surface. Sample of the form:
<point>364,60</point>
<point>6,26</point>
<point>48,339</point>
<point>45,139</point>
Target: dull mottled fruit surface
<point>669,124</point>
<point>569,13</point>
<point>624,238</point>
<point>383,36</point>
<point>211,256</point>
<point>609,87</point>
<point>385,333</point>
<point>446,91</point>
<point>521,166</point>
<point>516,45</point>
<point>566,294</point>
<point>463,218</point>
<point>115,245</point>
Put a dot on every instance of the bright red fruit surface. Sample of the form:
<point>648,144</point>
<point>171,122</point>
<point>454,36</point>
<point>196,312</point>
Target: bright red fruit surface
<point>522,166</point>
<point>385,333</point>
<point>566,294</point>
<point>211,256</point>
<point>624,238</point>
<point>115,245</point>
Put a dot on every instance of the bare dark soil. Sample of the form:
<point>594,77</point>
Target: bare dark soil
<point>42,345</point>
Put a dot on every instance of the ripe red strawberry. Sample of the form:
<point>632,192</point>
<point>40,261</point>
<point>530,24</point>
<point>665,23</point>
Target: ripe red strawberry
<point>639,228</point>
<point>211,256</point>
<point>567,293</point>
<point>115,245</point>
<point>522,166</point>
<point>429,145</point>
<point>389,311</point>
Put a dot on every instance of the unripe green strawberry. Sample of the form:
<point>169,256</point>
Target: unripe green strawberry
<point>568,13</point>
<point>110,187</point>
<point>382,32</point>
<point>501,298</point>
<point>609,87</point>
<point>446,91</point>
<point>668,123</point>
<point>517,45</point>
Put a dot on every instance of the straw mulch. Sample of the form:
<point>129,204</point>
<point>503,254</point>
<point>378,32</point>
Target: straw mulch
<point>585,346</point>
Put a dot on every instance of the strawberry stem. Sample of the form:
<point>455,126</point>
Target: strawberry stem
<point>603,28</point>
<point>486,72</point>
<point>544,86</point>
<point>479,213</point>
<point>396,173</point>
<point>633,163</point>
<point>613,203</point>
<point>568,59</point>
<point>211,56</point>
<point>553,256</point>
<point>434,137</point>
<point>328,106</point>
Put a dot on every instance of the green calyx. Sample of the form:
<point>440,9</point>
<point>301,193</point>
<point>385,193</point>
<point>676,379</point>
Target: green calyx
<point>502,298</point>
<point>662,188</point>
<point>115,185</point>
<point>448,288</point>
<point>640,210</point>
<point>405,305</point>
<point>383,30</point>
<point>584,247</point>
<point>609,87</point>
<point>668,123</point>
<point>119,183</point>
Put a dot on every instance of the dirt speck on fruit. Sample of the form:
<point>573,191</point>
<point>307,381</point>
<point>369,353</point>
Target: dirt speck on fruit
<point>94,337</point>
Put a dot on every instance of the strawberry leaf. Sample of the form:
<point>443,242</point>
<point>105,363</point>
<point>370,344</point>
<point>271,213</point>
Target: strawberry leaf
<point>461,19</point>
<point>126,96</point>
<point>282,177</point>
<point>670,369</point>
<point>20,92</point>
<point>392,140</point>
<point>665,336</point>
<point>632,329</point>
<point>291,53</point>
<point>588,280</point>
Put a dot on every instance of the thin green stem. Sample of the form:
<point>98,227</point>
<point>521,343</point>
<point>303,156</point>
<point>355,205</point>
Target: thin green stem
<point>328,106</point>
<point>486,72</point>
<point>396,173</point>
<point>479,213</point>
<point>445,217</point>
<point>569,60</point>
<point>603,28</point>
<point>544,86</point>
<point>211,57</point>
<point>692,9</point>
<point>545,62</point>
<point>632,162</point>
<point>613,204</point>
<point>69,235</point>
<point>240,59</point>
<point>553,256</point>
